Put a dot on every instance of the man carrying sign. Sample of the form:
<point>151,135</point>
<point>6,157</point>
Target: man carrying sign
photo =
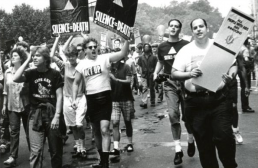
<point>208,113</point>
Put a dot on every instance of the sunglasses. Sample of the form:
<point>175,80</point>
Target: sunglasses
<point>91,47</point>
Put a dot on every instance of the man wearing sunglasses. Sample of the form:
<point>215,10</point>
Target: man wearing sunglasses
<point>94,70</point>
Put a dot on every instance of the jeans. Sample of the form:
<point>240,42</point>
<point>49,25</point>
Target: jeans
<point>15,122</point>
<point>148,83</point>
<point>173,97</point>
<point>55,143</point>
<point>244,99</point>
<point>210,118</point>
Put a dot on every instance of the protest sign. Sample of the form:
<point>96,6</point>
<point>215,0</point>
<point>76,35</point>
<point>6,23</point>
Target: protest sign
<point>116,15</point>
<point>103,39</point>
<point>137,36</point>
<point>69,16</point>
<point>222,53</point>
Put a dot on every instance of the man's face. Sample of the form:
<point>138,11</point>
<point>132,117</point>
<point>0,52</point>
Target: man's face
<point>174,28</point>
<point>80,51</point>
<point>147,48</point>
<point>92,50</point>
<point>117,44</point>
<point>154,49</point>
<point>38,59</point>
<point>199,30</point>
<point>102,50</point>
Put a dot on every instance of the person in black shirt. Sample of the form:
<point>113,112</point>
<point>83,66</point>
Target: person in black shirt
<point>46,97</point>
<point>167,52</point>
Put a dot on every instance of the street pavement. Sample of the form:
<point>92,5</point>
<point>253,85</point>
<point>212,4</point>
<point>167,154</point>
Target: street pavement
<point>153,143</point>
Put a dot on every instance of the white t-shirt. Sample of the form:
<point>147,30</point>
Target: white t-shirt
<point>190,57</point>
<point>95,73</point>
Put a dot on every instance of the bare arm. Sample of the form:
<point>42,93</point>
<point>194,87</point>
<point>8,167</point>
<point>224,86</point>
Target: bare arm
<point>67,43</point>
<point>113,57</point>
<point>76,83</point>
<point>180,75</point>
<point>59,103</point>
<point>18,76</point>
<point>159,66</point>
<point>127,80</point>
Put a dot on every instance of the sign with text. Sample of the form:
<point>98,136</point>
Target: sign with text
<point>137,36</point>
<point>116,15</point>
<point>227,44</point>
<point>103,39</point>
<point>69,16</point>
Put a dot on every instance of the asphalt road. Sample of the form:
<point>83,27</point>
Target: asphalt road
<point>153,143</point>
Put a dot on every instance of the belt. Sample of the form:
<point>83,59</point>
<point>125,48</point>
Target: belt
<point>204,93</point>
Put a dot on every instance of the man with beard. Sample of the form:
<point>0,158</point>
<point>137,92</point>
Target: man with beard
<point>147,63</point>
<point>167,52</point>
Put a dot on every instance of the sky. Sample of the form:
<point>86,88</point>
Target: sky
<point>223,5</point>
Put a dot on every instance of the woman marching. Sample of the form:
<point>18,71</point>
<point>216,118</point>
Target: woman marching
<point>73,117</point>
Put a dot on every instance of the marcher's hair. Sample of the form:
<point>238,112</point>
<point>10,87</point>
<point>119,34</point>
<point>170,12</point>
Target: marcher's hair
<point>247,41</point>
<point>79,45</point>
<point>204,21</point>
<point>139,46</point>
<point>45,52</point>
<point>71,51</point>
<point>147,45</point>
<point>117,40</point>
<point>132,49</point>
<point>21,53</point>
<point>88,40</point>
<point>180,24</point>
<point>23,44</point>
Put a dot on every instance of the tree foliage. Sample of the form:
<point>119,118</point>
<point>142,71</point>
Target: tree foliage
<point>34,25</point>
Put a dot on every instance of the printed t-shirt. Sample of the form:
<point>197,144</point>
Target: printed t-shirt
<point>167,51</point>
<point>43,85</point>
<point>95,74</point>
<point>190,57</point>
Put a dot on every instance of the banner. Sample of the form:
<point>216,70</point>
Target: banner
<point>227,44</point>
<point>116,15</point>
<point>69,16</point>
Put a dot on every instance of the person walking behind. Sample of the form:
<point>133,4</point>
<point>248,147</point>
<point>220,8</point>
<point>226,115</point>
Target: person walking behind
<point>147,63</point>
<point>73,117</point>
<point>16,104</point>
<point>122,103</point>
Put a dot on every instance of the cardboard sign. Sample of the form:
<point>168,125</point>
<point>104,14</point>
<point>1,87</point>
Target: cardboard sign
<point>116,15</point>
<point>103,39</point>
<point>137,36</point>
<point>69,16</point>
<point>229,39</point>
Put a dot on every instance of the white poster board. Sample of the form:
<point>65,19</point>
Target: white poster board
<point>103,39</point>
<point>137,36</point>
<point>229,39</point>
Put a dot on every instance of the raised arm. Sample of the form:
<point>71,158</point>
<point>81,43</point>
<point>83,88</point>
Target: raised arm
<point>113,57</point>
<point>18,76</point>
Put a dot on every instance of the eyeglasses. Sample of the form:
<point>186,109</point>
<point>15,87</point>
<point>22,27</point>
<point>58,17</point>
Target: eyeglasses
<point>91,47</point>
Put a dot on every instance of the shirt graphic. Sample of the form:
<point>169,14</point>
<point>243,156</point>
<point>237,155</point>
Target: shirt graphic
<point>44,88</point>
<point>91,71</point>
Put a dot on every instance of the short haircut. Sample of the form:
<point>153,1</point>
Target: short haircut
<point>204,21</point>
<point>117,40</point>
<point>21,53</point>
<point>45,52</point>
<point>247,41</point>
<point>88,40</point>
<point>80,45</point>
<point>71,51</point>
<point>23,44</point>
<point>132,49</point>
<point>180,24</point>
<point>139,46</point>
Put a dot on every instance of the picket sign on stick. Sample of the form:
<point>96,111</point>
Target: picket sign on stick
<point>227,44</point>
<point>137,36</point>
<point>117,16</point>
<point>69,17</point>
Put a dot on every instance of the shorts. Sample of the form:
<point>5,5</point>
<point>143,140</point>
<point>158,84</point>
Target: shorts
<point>99,106</point>
<point>127,109</point>
<point>74,117</point>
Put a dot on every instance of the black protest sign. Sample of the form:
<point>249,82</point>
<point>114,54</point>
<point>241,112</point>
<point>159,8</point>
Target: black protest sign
<point>69,16</point>
<point>116,15</point>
